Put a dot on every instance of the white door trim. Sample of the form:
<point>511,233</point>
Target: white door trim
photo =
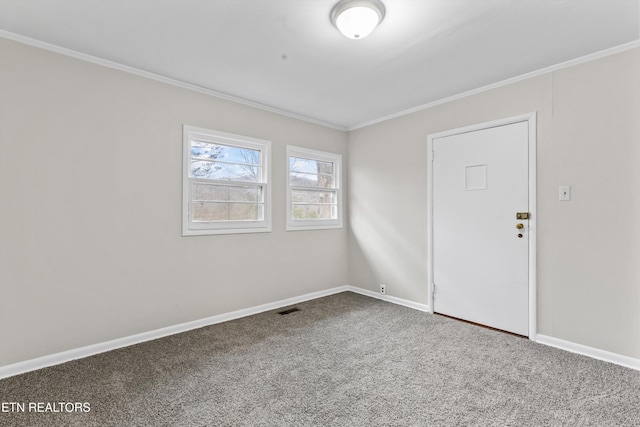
<point>531,119</point>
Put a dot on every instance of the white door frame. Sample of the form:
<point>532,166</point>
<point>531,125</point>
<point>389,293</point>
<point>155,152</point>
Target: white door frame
<point>531,119</point>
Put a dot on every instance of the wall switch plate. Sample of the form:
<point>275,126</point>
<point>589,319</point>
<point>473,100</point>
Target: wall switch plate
<point>565,193</point>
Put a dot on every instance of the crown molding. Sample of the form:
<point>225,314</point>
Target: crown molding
<point>160,78</point>
<point>560,66</point>
<point>220,95</point>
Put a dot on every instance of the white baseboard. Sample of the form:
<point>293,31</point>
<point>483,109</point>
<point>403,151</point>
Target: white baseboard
<point>607,356</point>
<point>388,298</point>
<point>90,350</point>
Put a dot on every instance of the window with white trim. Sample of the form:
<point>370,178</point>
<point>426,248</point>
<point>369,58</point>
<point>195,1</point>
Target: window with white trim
<point>225,183</point>
<point>314,194</point>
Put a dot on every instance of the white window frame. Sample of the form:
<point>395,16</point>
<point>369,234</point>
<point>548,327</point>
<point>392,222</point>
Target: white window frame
<point>193,228</point>
<point>314,224</point>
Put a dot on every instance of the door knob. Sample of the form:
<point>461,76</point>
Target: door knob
<point>520,226</point>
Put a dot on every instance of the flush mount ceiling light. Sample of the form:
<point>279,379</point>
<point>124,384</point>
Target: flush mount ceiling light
<point>356,19</point>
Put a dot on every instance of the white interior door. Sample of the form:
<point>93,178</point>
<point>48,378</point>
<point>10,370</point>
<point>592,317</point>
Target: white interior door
<point>480,257</point>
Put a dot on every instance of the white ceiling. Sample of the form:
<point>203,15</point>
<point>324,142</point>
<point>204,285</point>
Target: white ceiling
<point>286,54</point>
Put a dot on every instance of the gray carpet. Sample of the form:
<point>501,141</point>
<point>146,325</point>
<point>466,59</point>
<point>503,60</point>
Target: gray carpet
<point>342,360</point>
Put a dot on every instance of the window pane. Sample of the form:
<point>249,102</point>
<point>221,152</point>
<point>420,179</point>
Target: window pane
<point>298,164</point>
<point>311,180</point>
<point>224,171</point>
<point>245,211</point>
<point>204,150</point>
<point>211,192</point>
<point>225,153</point>
<point>309,196</point>
<point>213,211</point>
<point>310,212</point>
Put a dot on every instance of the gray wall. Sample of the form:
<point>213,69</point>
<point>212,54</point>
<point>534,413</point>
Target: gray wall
<point>90,209</point>
<point>588,248</point>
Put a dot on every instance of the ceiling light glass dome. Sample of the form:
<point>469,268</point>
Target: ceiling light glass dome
<point>356,19</point>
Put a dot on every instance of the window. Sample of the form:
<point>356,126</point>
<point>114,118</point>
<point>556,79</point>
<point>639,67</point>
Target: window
<point>225,183</point>
<point>314,195</point>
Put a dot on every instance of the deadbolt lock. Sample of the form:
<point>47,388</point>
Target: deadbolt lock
<point>523,215</point>
<point>520,226</point>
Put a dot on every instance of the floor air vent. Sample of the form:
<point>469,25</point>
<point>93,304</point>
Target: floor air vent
<point>287,311</point>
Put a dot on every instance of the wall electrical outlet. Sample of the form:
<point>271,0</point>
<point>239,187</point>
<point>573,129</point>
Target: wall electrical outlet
<point>383,289</point>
